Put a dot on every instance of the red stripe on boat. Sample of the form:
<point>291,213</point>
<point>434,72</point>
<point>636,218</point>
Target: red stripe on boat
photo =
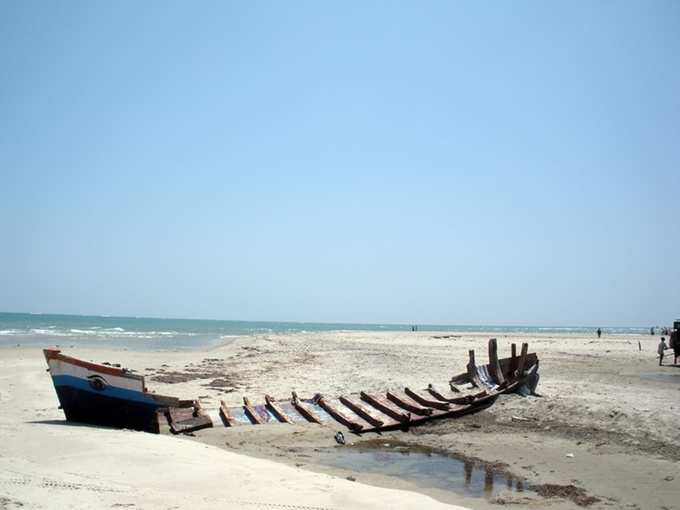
<point>56,355</point>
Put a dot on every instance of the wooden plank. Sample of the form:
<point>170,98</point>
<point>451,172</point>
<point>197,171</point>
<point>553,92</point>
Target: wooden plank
<point>453,387</point>
<point>494,366</point>
<point>386,407</point>
<point>197,423</point>
<point>180,414</point>
<point>301,408</point>
<point>522,361</point>
<point>337,414</point>
<point>427,402</point>
<point>164,401</point>
<point>161,424</point>
<point>462,400</point>
<point>472,370</point>
<point>251,412</point>
<point>405,402</point>
<point>276,410</point>
<point>226,416</point>
<point>362,411</point>
<point>513,361</point>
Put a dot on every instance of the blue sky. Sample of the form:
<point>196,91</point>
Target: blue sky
<point>433,162</point>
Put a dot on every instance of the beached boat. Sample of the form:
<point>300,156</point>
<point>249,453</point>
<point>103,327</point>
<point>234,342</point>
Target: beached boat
<point>103,394</point>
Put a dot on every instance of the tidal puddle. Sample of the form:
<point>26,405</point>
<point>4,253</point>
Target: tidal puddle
<point>432,470</point>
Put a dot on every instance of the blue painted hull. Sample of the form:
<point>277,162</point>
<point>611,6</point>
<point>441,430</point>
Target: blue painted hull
<point>100,409</point>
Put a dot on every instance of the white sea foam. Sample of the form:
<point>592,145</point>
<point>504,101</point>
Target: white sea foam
<point>94,333</point>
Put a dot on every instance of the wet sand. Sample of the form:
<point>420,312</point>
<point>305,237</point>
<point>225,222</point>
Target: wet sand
<point>604,432</point>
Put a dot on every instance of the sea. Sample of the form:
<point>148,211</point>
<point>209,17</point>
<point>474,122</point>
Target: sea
<point>146,333</point>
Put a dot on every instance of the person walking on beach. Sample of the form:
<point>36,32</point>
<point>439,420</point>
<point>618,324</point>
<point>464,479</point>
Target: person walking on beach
<point>662,347</point>
<point>599,332</point>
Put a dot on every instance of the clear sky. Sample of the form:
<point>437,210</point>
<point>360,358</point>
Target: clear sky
<point>427,162</point>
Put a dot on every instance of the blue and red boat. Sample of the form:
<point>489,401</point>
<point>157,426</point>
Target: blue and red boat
<point>104,394</point>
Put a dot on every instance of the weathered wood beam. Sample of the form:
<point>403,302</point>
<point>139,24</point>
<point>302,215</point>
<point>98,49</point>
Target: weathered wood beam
<point>412,407</point>
<point>519,374</point>
<point>301,408</point>
<point>462,400</point>
<point>494,365</point>
<point>197,423</point>
<point>383,405</point>
<point>226,416</point>
<point>337,414</point>
<point>276,410</point>
<point>513,361</point>
<point>472,371</point>
<point>251,412</point>
<point>428,402</point>
<point>362,411</point>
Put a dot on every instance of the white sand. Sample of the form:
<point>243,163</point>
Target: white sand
<point>45,463</point>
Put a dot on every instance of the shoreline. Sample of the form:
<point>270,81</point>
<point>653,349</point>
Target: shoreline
<point>598,405</point>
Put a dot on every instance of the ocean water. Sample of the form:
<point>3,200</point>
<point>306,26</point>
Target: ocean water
<point>151,333</point>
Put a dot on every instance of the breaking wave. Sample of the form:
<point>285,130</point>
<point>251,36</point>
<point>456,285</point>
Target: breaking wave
<point>94,333</point>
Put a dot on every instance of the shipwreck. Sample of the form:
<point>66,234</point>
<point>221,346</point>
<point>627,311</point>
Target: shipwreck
<point>101,394</point>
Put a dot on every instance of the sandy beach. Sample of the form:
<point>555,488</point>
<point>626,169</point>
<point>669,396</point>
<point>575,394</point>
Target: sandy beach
<point>603,433</point>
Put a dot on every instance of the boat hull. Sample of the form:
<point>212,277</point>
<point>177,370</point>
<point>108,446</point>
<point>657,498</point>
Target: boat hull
<point>102,394</point>
<point>98,409</point>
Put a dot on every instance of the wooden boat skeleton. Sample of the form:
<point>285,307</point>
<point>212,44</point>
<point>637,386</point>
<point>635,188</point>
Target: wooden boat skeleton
<point>111,396</point>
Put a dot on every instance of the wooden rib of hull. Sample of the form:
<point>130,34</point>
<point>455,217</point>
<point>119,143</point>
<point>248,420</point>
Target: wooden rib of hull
<point>457,399</point>
<point>472,371</point>
<point>521,364</point>
<point>494,366</point>
<point>276,410</point>
<point>301,408</point>
<point>338,414</point>
<point>428,402</point>
<point>386,407</point>
<point>226,416</point>
<point>362,411</point>
<point>410,405</point>
<point>251,412</point>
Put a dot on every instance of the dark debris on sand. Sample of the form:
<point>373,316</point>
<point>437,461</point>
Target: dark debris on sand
<point>577,495</point>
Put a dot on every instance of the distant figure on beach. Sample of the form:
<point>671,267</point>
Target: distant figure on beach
<point>662,347</point>
<point>599,332</point>
<point>675,345</point>
<point>651,331</point>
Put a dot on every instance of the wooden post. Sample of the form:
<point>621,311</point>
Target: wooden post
<point>472,371</point>
<point>494,365</point>
<point>522,361</point>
